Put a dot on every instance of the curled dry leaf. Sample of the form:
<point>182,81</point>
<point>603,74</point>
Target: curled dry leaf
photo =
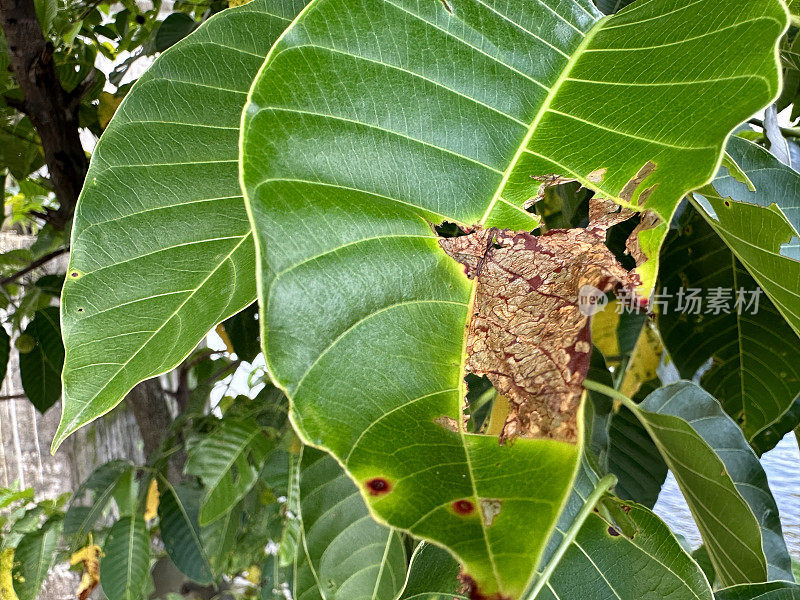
<point>527,333</point>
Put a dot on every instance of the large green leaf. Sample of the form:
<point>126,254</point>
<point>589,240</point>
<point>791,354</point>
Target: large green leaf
<point>371,117</point>
<point>755,371</point>
<point>227,460</point>
<point>40,368</point>
<point>722,480</point>
<point>33,557</point>
<point>161,246</point>
<point>125,565</point>
<point>592,567</point>
<point>344,554</point>
<point>760,227</point>
<point>774,590</point>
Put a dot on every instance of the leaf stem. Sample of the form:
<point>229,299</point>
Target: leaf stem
<point>601,488</point>
<point>611,393</point>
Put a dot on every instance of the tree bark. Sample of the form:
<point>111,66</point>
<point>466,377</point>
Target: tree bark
<point>53,110</point>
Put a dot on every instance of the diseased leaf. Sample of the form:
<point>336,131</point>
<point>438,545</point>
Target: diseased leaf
<point>161,248</point>
<point>529,334</point>
<point>758,393</point>
<point>722,481</point>
<point>370,118</point>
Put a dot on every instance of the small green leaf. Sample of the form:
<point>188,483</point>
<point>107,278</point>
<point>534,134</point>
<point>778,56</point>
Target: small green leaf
<point>40,369</point>
<point>180,532</point>
<point>173,29</point>
<point>432,575</point>
<point>33,557</point>
<point>99,487</point>
<point>227,461</point>
<point>243,331</point>
<point>125,566</point>
<point>5,351</point>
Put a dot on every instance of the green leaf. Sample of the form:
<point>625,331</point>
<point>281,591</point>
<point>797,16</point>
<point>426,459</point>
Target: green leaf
<point>161,245</point>
<point>40,369</point>
<point>125,566</point>
<point>33,558</point>
<point>634,459</point>
<point>611,6</point>
<point>756,389</point>
<point>432,575</point>
<point>361,127</point>
<point>722,480</point>
<point>180,532</point>
<point>80,519</point>
<point>344,554</point>
<point>173,29</point>
<point>227,461</point>
<point>761,228</point>
<point>592,567</point>
<point>774,590</point>
<point>5,352</point>
<point>242,329</point>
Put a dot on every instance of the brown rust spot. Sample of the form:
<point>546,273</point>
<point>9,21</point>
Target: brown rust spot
<point>378,486</point>
<point>630,188</point>
<point>612,531</point>
<point>527,333</point>
<point>463,507</point>
<point>469,588</point>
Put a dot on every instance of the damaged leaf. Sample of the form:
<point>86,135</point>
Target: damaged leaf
<point>529,333</point>
<point>356,135</point>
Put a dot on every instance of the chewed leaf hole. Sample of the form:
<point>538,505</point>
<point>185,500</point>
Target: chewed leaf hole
<point>463,507</point>
<point>378,486</point>
<point>448,229</point>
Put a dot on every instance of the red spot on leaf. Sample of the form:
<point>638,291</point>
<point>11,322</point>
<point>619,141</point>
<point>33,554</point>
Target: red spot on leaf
<point>378,486</point>
<point>463,507</point>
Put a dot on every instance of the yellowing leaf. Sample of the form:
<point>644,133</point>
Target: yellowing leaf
<point>107,107</point>
<point>153,496</point>
<point>225,337</point>
<point>6,580</point>
<point>604,332</point>
<point>644,361</point>
<point>90,557</point>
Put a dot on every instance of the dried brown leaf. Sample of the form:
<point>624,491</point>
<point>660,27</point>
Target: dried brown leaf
<point>527,333</point>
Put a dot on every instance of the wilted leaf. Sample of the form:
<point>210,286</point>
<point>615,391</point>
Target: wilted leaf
<point>90,579</point>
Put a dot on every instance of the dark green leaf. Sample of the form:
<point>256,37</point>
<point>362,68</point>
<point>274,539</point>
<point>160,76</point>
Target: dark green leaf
<point>242,329</point>
<point>432,575</point>
<point>40,369</point>
<point>755,355</point>
<point>33,557</point>
<point>173,29</point>
<point>99,486</point>
<point>180,532</point>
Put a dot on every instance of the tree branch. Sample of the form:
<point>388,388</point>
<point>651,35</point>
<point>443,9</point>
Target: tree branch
<point>53,111</point>
<point>34,265</point>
